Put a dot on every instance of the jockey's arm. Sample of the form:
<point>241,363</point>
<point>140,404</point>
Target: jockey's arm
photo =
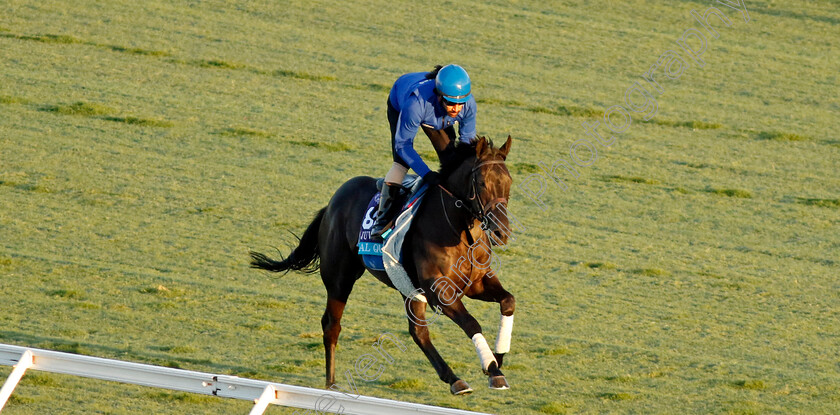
<point>407,126</point>
<point>466,131</point>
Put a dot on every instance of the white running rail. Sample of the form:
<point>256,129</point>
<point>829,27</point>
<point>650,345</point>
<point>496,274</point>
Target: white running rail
<point>262,393</point>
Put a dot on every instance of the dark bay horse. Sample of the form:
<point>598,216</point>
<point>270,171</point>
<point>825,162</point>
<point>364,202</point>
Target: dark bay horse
<point>458,220</point>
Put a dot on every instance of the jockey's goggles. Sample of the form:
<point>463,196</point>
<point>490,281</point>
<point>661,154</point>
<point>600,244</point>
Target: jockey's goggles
<point>449,103</point>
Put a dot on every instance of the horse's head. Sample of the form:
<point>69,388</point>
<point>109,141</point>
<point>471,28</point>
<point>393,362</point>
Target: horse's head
<point>479,177</point>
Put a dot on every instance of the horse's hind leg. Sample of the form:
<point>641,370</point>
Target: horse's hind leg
<point>339,278</point>
<point>331,324</point>
<point>418,327</point>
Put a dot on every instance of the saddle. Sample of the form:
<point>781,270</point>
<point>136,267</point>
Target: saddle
<point>371,249</point>
<point>408,182</point>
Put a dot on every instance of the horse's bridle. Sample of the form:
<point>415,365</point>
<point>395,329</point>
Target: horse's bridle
<point>475,207</point>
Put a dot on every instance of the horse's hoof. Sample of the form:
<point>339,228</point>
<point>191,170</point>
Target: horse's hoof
<point>460,388</point>
<point>498,382</point>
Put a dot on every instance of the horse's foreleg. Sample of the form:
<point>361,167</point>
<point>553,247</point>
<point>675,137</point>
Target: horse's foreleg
<point>492,291</point>
<point>418,327</point>
<point>503,339</point>
<point>459,314</point>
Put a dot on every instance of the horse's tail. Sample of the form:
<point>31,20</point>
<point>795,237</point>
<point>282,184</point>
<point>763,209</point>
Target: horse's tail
<point>303,258</point>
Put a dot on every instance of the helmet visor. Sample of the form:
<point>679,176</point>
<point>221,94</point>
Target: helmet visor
<point>454,100</point>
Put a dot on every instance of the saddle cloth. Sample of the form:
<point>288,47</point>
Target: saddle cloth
<point>388,257</point>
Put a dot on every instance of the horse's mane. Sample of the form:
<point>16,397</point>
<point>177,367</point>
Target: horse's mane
<point>452,158</point>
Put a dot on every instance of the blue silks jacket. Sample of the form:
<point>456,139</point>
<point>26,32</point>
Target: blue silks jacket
<point>413,96</point>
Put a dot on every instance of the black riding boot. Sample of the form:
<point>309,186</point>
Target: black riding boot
<point>387,209</point>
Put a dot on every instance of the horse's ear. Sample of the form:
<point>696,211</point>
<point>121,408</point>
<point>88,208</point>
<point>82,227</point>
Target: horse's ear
<point>505,148</point>
<point>480,146</point>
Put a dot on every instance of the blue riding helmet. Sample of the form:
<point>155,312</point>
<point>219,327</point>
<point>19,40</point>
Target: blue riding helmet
<point>453,83</point>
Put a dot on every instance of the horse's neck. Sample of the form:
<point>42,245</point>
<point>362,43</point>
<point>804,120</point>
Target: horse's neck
<point>451,221</point>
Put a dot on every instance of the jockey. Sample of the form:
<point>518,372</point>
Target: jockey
<point>415,101</point>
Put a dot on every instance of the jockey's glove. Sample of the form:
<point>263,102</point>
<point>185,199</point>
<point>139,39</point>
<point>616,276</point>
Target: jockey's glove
<point>432,178</point>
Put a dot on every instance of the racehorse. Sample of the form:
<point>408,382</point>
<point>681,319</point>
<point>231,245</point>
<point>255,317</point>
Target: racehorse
<point>465,212</point>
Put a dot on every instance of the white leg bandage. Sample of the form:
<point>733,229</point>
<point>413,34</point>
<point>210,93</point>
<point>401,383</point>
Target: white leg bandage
<point>503,339</point>
<point>483,350</point>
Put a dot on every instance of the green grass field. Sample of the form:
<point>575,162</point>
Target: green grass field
<point>692,268</point>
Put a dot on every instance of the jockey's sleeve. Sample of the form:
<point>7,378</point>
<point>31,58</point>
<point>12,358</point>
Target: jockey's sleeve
<point>407,126</point>
<point>467,129</point>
